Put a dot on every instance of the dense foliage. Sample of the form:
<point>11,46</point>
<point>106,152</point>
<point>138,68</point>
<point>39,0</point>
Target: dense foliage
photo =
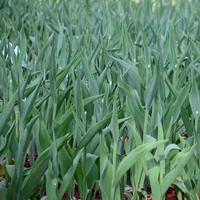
<point>97,96</point>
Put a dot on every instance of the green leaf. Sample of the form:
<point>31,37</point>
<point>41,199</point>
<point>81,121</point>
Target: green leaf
<point>92,131</point>
<point>134,156</point>
<point>7,112</point>
<point>181,161</point>
<point>151,90</point>
<point>67,179</point>
<point>38,169</point>
<point>194,98</point>
<point>28,103</point>
<point>51,186</point>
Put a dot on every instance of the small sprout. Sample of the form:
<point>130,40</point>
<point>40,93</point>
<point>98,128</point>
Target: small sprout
<point>24,99</point>
<point>54,183</point>
<point>197,112</point>
<point>16,50</point>
<point>120,14</point>
<point>110,83</point>
<point>148,66</point>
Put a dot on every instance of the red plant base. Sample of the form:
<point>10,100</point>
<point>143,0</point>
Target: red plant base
<point>171,194</point>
